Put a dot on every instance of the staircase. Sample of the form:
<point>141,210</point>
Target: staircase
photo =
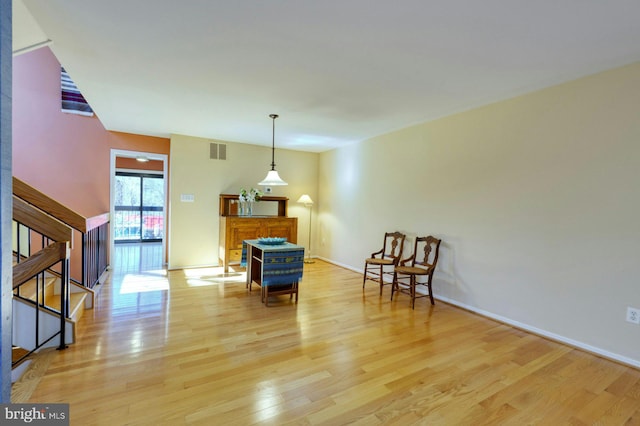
<point>80,298</point>
<point>46,291</point>
<point>47,302</point>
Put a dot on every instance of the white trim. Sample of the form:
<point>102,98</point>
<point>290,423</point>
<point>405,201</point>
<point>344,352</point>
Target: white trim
<point>112,174</point>
<point>544,333</point>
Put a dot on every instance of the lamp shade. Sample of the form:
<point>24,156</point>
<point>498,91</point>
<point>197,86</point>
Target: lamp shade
<point>305,199</point>
<point>272,179</point>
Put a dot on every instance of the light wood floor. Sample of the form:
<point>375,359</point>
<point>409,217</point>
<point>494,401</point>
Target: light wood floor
<point>193,347</point>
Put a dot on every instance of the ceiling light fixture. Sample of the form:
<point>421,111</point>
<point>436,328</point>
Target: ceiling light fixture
<point>273,179</point>
<point>142,158</point>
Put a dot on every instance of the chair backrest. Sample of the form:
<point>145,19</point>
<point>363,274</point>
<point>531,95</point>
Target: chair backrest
<point>426,251</point>
<point>393,244</point>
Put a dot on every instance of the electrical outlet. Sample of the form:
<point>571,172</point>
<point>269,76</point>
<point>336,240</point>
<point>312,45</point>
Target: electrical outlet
<point>633,315</point>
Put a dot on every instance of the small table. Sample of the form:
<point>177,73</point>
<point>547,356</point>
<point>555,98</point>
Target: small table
<point>275,268</point>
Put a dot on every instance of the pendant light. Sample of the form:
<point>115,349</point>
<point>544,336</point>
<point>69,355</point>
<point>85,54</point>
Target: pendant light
<point>273,179</point>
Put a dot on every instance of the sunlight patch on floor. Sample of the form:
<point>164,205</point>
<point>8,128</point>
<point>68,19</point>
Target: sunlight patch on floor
<point>200,277</point>
<point>145,282</point>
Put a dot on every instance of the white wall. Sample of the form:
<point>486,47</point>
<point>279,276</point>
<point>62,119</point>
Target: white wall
<point>536,199</point>
<point>193,227</point>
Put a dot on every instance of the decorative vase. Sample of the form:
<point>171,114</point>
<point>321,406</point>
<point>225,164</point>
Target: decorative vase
<point>241,208</point>
<point>250,209</point>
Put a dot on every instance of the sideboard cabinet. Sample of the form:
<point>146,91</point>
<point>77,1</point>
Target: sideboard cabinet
<point>235,229</point>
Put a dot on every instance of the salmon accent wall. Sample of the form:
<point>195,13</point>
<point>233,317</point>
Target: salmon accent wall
<point>66,156</point>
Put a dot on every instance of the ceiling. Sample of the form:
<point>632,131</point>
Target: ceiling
<point>336,72</point>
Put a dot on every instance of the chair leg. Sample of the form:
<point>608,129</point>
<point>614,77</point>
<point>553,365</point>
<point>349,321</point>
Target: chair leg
<point>430,292</point>
<point>364,277</point>
<point>394,283</point>
<point>413,291</point>
<point>381,281</point>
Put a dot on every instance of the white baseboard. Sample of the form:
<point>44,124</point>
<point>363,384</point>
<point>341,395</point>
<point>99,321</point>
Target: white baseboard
<point>534,330</point>
<point>360,271</point>
<point>544,333</point>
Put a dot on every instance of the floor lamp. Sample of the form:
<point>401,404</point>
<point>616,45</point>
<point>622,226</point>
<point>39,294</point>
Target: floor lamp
<point>308,202</point>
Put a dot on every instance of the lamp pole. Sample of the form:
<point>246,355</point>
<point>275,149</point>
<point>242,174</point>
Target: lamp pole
<point>309,260</point>
<point>308,202</point>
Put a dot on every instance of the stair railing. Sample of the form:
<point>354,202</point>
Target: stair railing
<point>55,238</point>
<point>94,233</point>
<point>43,246</point>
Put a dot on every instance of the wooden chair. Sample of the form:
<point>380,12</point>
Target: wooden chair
<point>421,263</point>
<point>383,261</point>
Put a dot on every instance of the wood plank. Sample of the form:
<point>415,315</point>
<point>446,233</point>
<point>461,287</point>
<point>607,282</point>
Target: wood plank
<point>40,222</point>
<point>201,349</point>
<point>24,387</point>
<point>31,195</point>
<point>39,261</point>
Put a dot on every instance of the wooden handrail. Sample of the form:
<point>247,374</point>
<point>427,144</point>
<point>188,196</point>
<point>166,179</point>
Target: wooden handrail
<point>64,214</point>
<point>96,221</point>
<point>38,262</point>
<point>44,224</point>
<point>47,204</point>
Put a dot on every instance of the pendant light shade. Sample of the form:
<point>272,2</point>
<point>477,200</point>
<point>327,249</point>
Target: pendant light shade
<point>273,179</point>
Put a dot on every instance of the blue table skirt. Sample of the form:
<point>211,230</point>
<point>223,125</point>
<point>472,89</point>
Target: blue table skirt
<point>281,264</point>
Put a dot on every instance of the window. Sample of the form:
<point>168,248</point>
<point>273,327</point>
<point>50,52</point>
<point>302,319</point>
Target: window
<point>139,207</point>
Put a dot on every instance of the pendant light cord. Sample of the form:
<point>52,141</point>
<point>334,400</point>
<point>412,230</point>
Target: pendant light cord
<point>273,141</point>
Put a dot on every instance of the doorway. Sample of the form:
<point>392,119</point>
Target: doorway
<point>138,207</point>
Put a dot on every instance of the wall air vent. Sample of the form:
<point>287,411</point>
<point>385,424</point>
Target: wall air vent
<point>217,151</point>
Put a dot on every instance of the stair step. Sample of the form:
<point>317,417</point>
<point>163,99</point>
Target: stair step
<point>76,304</point>
<point>28,289</point>
<point>18,355</point>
